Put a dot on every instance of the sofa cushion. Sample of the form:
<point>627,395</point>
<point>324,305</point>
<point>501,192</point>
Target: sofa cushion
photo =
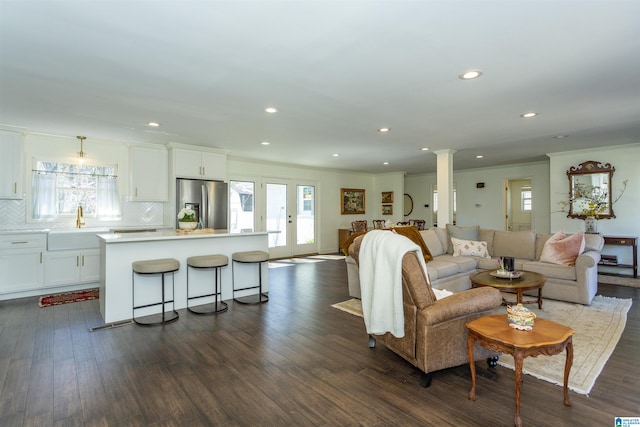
<point>593,242</point>
<point>464,233</point>
<point>486,235</point>
<point>516,244</point>
<point>437,269</point>
<point>463,264</point>
<point>541,239</point>
<point>563,249</point>
<point>469,248</point>
<point>551,271</point>
<point>432,241</point>
<point>443,236</point>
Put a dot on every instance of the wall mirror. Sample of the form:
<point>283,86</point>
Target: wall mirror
<point>590,190</point>
<point>408,204</point>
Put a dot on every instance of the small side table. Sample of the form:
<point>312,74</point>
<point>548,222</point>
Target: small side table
<point>629,241</point>
<point>494,333</point>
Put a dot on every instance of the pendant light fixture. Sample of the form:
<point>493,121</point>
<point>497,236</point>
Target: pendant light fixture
<point>81,154</point>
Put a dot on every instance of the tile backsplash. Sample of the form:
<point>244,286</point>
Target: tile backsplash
<point>134,214</point>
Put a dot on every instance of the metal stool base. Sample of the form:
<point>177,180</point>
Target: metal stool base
<point>263,298</point>
<point>221,307</point>
<point>174,316</point>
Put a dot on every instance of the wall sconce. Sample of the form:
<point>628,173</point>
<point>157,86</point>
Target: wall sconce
<point>81,154</point>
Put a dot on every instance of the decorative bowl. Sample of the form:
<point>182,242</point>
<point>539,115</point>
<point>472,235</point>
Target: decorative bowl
<point>504,274</point>
<point>520,317</point>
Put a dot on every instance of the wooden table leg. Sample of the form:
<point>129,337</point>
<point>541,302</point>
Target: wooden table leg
<point>472,366</point>
<point>519,296</point>
<point>567,369</point>
<point>540,298</point>
<point>518,359</point>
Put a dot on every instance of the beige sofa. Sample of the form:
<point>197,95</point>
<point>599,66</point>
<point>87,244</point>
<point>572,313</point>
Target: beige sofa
<point>577,284</point>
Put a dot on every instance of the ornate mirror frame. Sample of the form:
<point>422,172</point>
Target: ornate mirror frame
<point>590,190</point>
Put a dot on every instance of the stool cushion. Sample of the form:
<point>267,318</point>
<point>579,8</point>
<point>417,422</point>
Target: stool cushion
<point>251,256</point>
<point>151,266</point>
<point>205,261</point>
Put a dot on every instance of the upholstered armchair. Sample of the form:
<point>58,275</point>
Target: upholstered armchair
<point>435,335</point>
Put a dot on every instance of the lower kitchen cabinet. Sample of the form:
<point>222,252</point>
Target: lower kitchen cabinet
<point>21,262</point>
<point>72,267</point>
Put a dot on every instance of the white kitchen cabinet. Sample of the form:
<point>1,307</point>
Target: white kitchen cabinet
<point>21,262</point>
<point>10,165</point>
<point>149,174</point>
<point>72,267</point>
<point>200,165</point>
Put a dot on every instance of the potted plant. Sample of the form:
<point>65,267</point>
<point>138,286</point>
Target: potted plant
<point>187,219</point>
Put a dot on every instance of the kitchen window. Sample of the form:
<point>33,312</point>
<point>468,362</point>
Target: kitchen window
<point>59,188</point>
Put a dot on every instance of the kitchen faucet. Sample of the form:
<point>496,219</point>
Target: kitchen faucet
<point>79,220</point>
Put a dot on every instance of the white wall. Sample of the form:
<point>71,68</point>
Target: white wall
<point>626,161</point>
<point>327,194</point>
<point>485,206</point>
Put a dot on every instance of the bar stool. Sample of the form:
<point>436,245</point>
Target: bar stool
<point>162,267</point>
<point>214,262</point>
<point>250,257</point>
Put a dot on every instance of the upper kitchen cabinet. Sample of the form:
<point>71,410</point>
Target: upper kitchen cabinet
<point>10,165</point>
<point>149,172</point>
<point>200,164</point>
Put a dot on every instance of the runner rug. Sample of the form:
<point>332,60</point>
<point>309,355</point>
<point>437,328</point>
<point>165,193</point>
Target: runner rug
<point>66,298</point>
<point>598,329</point>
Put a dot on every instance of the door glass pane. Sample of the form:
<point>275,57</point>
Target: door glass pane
<point>277,214</point>
<point>241,206</point>
<point>305,219</point>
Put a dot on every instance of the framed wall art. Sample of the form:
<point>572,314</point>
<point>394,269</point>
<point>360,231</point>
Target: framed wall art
<point>387,209</point>
<point>387,197</point>
<point>352,201</point>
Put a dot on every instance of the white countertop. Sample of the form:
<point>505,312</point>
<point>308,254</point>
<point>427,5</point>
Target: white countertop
<point>168,235</point>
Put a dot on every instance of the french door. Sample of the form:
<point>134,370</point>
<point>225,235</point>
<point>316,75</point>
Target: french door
<point>290,217</point>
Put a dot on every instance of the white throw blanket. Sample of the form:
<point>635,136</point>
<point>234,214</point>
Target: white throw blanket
<point>380,266</point>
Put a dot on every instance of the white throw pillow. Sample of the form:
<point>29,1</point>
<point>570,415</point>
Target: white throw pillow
<point>469,248</point>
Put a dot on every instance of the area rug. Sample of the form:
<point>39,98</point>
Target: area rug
<point>598,328</point>
<point>69,297</point>
<point>619,280</point>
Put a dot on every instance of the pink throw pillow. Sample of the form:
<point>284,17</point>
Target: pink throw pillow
<point>563,249</point>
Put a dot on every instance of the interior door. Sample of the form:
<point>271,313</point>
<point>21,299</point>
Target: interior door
<point>518,204</point>
<point>290,217</point>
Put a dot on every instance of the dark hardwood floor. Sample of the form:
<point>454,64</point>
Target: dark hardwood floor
<point>292,361</point>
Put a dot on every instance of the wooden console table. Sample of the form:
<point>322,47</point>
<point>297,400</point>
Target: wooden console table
<point>624,241</point>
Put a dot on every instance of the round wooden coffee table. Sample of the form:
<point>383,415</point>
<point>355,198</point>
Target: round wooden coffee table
<point>527,281</point>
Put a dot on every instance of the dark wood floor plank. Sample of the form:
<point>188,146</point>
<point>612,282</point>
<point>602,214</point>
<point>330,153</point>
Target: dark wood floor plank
<point>292,361</point>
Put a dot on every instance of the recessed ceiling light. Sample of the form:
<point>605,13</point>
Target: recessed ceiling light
<point>271,110</point>
<point>470,75</point>
<point>384,130</point>
<point>424,149</point>
<point>265,143</point>
<point>336,155</point>
<point>385,163</point>
<point>528,115</point>
<point>561,136</point>
<point>153,124</point>
<point>479,156</point>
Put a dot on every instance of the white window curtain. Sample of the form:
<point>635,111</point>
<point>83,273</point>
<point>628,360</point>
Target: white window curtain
<point>108,199</point>
<point>44,195</point>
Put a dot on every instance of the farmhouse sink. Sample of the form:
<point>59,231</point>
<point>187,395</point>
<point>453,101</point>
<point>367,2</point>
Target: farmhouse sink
<point>75,238</point>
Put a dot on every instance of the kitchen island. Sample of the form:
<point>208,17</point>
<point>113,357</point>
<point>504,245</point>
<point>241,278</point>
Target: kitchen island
<point>118,251</point>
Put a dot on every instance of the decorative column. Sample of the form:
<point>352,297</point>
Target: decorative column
<point>445,186</point>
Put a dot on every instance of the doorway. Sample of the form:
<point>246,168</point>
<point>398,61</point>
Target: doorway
<point>290,217</point>
<point>518,204</point>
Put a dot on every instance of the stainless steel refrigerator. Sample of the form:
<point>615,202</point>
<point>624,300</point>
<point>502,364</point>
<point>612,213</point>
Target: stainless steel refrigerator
<point>207,198</point>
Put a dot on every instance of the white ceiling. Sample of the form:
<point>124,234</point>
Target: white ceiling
<point>336,70</point>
